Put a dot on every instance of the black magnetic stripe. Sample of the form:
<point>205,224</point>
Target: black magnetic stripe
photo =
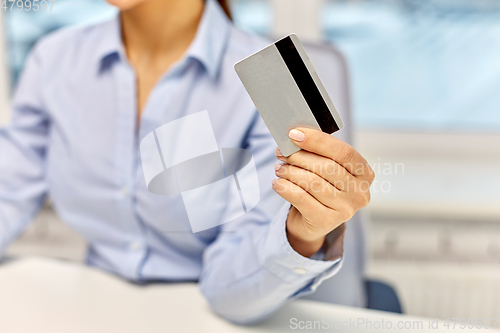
<point>306,85</point>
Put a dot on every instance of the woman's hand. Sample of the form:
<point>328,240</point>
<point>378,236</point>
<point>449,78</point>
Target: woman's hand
<point>326,182</point>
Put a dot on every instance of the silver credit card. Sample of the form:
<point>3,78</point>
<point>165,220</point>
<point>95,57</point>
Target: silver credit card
<point>287,91</point>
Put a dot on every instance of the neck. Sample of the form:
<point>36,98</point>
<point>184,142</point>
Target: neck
<point>158,27</point>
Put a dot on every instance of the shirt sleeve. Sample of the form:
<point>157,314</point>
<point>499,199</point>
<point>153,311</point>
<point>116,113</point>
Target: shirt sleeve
<point>22,153</point>
<point>251,269</point>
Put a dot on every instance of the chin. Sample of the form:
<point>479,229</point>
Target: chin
<point>125,4</point>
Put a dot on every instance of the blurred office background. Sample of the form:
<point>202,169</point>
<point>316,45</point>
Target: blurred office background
<point>425,93</point>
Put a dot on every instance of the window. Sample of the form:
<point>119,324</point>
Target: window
<point>23,28</point>
<point>414,64</point>
<point>420,64</point>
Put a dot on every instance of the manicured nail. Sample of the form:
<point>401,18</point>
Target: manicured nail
<point>274,181</point>
<point>278,152</point>
<point>297,135</point>
<point>277,166</point>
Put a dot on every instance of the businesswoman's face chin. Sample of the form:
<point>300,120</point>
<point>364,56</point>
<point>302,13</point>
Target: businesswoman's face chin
<point>125,4</point>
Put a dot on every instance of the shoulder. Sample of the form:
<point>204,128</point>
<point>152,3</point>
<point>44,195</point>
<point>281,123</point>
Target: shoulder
<point>72,41</point>
<point>242,44</point>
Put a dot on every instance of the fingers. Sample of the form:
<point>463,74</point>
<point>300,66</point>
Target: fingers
<point>318,217</point>
<point>319,188</point>
<point>310,208</point>
<point>324,167</point>
<point>328,146</point>
<point>326,193</point>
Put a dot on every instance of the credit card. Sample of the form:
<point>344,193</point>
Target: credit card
<point>287,91</point>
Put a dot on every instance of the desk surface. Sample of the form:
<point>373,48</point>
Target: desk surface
<point>42,295</point>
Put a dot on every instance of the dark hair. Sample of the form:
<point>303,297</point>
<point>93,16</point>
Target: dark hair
<point>225,5</point>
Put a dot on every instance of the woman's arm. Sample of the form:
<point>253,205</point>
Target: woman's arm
<point>251,269</point>
<point>22,153</point>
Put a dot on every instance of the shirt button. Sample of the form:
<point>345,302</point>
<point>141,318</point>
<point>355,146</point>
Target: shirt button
<point>125,190</point>
<point>300,270</point>
<point>135,246</point>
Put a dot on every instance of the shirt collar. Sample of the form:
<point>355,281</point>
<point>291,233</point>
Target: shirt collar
<point>110,41</point>
<point>207,47</point>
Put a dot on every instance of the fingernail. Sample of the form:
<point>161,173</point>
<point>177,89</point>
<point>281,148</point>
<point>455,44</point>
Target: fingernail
<point>274,181</point>
<point>278,152</point>
<point>297,135</point>
<point>277,166</point>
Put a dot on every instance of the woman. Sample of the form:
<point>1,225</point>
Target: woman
<point>89,95</point>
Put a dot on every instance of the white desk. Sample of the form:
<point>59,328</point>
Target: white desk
<point>41,295</point>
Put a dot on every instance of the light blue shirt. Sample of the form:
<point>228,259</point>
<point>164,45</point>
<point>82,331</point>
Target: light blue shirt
<point>74,135</point>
